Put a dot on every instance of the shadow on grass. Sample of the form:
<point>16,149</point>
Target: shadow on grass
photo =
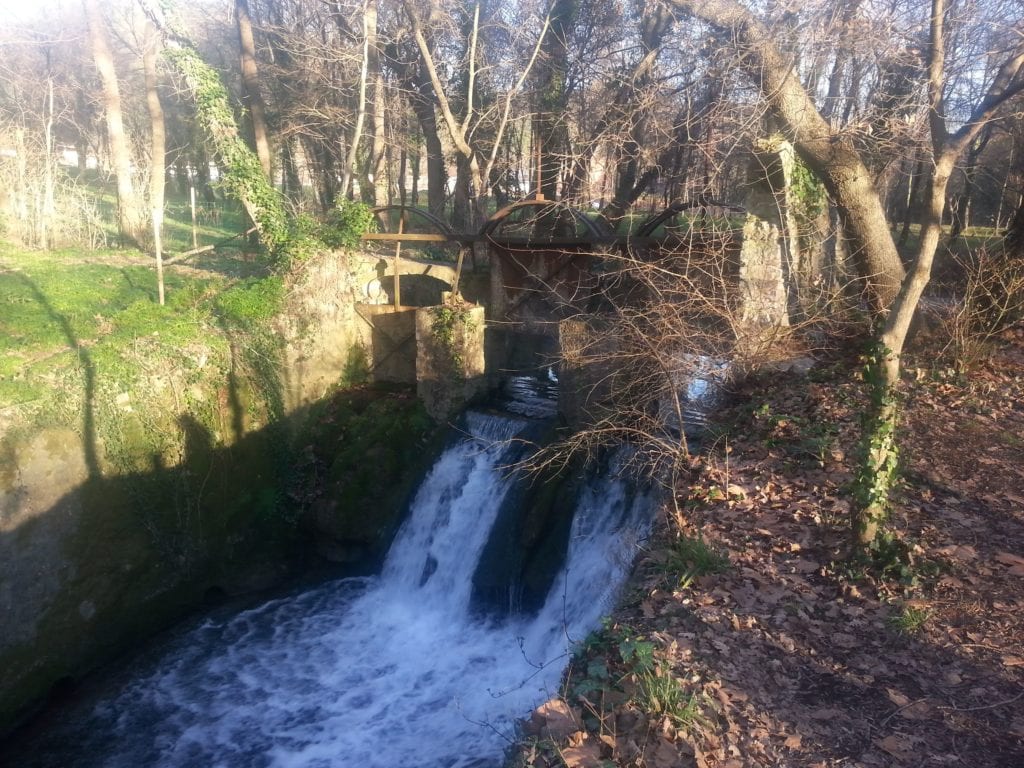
<point>88,368</point>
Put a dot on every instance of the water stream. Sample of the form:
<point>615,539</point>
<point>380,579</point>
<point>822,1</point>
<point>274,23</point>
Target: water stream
<point>393,670</point>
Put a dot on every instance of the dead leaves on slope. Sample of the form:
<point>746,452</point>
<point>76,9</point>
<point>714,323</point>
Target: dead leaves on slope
<point>797,660</point>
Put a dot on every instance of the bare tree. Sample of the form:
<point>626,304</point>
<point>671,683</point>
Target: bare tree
<point>478,158</point>
<point>128,208</point>
<point>834,157</point>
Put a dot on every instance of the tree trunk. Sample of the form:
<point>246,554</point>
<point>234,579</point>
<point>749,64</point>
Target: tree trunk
<point>1015,232</point>
<point>369,43</point>
<point>961,217</point>
<point>290,172</point>
<point>912,195</point>
<point>549,128</point>
<point>437,174</point>
<point>414,164</point>
<point>46,218</point>
<point>251,96</point>
<point>378,149</point>
<point>158,152</point>
<point>462,212</point>
<point>129,219</point>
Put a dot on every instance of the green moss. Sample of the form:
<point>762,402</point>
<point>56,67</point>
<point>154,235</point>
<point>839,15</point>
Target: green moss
<point>373,445</point>
<point>253,302</point>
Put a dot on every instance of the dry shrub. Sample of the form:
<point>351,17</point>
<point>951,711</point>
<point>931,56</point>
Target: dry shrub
<point>40,205</point>
<point>992,300</point>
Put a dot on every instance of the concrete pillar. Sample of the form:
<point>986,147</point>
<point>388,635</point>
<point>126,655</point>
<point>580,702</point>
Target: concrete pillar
<point>763,284</point>
<point>449,357</point>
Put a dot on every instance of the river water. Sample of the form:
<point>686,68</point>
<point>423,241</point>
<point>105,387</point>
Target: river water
<point>390,671</point>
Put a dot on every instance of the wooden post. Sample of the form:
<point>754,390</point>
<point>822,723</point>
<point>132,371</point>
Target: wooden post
<point>158,216</point>
<point>398,252</point>
<point>192,201</point>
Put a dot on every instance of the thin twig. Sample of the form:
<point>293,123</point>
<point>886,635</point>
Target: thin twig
<point>897,711</point>
<point>986,706</point>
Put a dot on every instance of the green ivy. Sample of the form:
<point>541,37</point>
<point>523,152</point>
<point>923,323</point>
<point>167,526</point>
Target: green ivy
<point>243,177</point>
<point>347,222</point>
<point>878,465</point>
<point>446,319</point>
<point>808,191</point>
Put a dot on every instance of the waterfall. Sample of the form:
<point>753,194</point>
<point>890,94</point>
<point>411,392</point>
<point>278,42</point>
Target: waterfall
<point>379,672</point>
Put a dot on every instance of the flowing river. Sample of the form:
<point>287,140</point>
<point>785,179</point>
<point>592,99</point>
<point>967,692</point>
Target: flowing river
<point>381,672</point>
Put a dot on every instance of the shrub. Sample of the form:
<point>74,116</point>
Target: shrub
<point>992,300</point>
<point>347,222</point>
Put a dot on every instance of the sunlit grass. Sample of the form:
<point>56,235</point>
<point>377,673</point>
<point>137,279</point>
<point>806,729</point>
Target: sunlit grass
<point>95,304</point>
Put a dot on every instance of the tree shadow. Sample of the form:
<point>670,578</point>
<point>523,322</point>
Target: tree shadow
<point>88,368</point>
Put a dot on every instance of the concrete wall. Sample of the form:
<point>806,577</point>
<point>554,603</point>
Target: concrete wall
<point>342,324</point>
<point>103,540</point>
<point>450,366</point>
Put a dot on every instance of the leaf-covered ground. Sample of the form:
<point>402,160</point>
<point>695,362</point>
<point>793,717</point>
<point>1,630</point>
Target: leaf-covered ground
<point>790,656</point>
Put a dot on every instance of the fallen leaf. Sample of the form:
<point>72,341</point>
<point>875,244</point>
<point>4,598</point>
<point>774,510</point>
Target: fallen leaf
<point>736,491</point>
<point>844,640</point>
<point>556,719</point>
<point>667,756</point>
<point>897,746</point>
<point>587,755</point>
<point>793,742</point>
<point>826,714</point>
<point>1007,558</point>
<point>805,566</point>
<point>920,710</point>
<point>963,552</point>
<point>896,697</point>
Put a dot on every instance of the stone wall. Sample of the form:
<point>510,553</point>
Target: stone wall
<point>179,484</point>
<point>450,366</point>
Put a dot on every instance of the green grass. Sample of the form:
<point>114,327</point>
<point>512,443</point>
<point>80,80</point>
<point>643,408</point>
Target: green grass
<point>660,693</point>
<point>50,303</point>
<point>78,326</point>
<point>690,557</point>
<point>618,659</point>
<point>910,620</point>
<point>177,231</point>
<point>949,255</point>
<point>214,222</point>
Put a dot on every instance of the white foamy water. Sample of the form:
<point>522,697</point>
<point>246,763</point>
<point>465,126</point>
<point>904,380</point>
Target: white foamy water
<point>376,673</point>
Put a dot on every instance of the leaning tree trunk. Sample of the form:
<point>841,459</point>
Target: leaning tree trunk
<point>833,157</point>
<point>1014,237</point>
<point>251,96</point>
